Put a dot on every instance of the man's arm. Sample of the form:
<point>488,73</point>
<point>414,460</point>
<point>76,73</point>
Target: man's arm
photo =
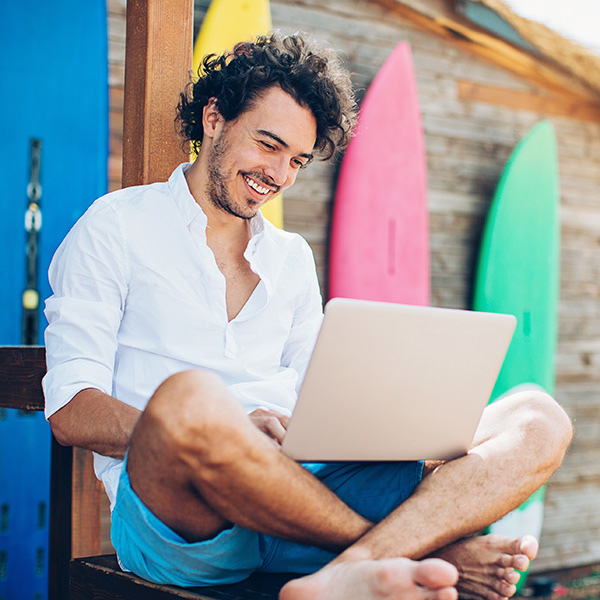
<point>95,421</point>
<point>89,279</point>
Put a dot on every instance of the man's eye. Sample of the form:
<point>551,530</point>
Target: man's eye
<point>268,146</point>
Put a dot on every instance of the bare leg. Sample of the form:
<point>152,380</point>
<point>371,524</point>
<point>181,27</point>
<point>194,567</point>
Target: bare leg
<point>177,468</point>
<point>199,464</point>
<point>194,455</point>
<point>519,444</point>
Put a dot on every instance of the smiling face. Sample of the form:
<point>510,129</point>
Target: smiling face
<point>255,157</point>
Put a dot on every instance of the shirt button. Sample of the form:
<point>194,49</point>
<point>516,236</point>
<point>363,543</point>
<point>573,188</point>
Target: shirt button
<point>230,343</point>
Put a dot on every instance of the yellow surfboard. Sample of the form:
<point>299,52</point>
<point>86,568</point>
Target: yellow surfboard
<point>226,23</point>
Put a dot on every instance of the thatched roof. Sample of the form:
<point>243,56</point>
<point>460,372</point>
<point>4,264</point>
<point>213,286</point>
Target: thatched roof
<point>526,47</point>
<point>566,54</point>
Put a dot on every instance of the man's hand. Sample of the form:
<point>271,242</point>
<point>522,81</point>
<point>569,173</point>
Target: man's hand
<point>272,423</point>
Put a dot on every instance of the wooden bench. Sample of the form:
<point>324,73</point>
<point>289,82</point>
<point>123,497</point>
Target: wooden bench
<point>75,508</point>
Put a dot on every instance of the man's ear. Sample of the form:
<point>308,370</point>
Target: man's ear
<point>211,118</point>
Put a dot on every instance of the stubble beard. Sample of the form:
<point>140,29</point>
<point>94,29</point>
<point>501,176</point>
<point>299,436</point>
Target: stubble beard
<point>216,189</point>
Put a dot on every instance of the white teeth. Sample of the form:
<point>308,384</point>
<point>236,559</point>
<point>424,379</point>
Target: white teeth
<point>255,186</point>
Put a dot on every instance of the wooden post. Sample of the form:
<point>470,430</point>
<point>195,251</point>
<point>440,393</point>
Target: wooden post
<point>157,68</point>
<point>61,504</point>
<point>158,64</point>
<point>86,511</point>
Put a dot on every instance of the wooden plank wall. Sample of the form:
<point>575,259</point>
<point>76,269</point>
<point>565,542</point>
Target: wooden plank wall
<point>117,12</point>
<point>467,141</point>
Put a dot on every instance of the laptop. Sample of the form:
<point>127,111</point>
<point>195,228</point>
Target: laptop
<point>394,382</point>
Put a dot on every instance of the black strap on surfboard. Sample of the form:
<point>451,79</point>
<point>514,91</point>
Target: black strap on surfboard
<point>33,224</point>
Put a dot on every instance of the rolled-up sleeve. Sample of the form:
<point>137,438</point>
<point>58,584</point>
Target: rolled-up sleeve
<point>89,279</point>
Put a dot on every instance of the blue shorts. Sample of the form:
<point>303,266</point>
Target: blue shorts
<point>153,551</point>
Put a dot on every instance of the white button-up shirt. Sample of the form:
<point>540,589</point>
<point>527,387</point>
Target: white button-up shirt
<point>137,297</point>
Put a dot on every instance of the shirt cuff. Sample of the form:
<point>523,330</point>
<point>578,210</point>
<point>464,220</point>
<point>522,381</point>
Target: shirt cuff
<point>65,380</point>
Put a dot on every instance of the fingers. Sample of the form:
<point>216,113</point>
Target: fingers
<point>271,423</point>
<point>272,427</point>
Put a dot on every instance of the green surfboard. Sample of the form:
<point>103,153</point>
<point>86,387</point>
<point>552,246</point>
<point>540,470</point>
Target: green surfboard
<point>518,273</point>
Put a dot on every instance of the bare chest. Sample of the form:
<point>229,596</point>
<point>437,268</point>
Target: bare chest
<point>240,282</point>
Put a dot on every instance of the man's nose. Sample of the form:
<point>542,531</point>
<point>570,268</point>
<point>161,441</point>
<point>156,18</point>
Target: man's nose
<point>279,170</point>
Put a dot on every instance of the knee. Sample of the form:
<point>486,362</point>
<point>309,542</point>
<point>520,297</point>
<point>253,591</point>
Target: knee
<point>195,413</point>
<point>545,424</point>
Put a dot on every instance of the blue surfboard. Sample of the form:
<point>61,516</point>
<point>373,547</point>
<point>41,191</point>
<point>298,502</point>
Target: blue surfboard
<point>53,88</point>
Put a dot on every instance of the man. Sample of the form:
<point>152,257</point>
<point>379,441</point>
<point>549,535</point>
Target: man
<point>180,328</point>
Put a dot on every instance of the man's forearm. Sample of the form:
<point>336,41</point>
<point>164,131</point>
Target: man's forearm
<point>96,421</point>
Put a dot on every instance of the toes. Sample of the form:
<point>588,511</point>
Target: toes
<point>506,561</point>
<point>526,545</point>
<point>498,590</point>
<point>497,584</point>
<point>520,553</point>
<point>449,593</point>
<point>489,565</point>
<point>511,576</point>
<point>529,546</point>
<point>521,562</point>
<point>507,575</point>
<point>479,592</point>
<point>434,573</point>
<point>514,561</point>
<point>506,589</point>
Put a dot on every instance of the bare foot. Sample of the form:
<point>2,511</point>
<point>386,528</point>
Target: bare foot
<point>487,564</point>
<point>389,579</point>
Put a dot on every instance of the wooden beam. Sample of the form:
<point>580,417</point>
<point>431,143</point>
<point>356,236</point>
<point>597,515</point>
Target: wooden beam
<point>493,50</point>
<point>74,491</point>
<point>100,578</point>
<point>575,108</point>
<point>158,62</point>
<point>21,372</point>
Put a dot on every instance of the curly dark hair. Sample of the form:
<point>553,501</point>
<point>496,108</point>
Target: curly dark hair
<point>310,73</point>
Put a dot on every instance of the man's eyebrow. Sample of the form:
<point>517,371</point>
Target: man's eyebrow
<point>277,139</point>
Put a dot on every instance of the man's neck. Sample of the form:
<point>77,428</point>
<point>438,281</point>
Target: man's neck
<point>218,219</point>
<point>222,227</point>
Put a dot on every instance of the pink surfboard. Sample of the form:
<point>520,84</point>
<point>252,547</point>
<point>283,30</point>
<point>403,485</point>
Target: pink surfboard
<point>379,246</point>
